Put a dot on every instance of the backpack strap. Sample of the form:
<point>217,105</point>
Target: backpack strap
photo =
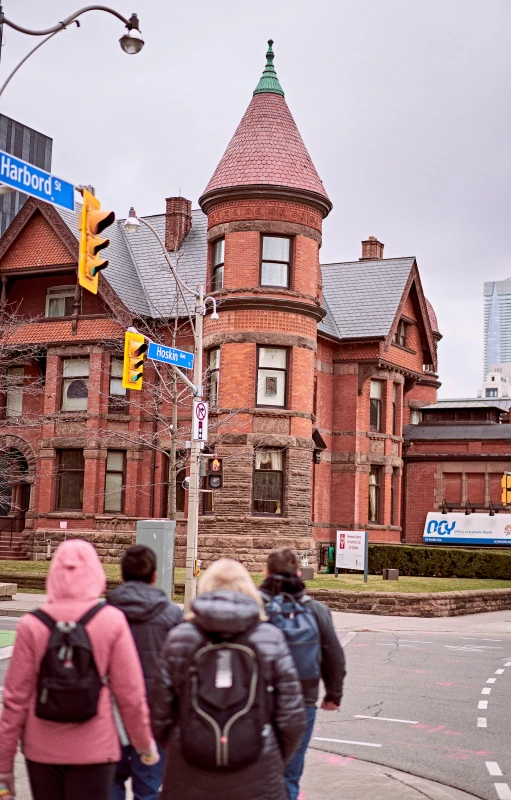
<point>91,613</point>
<point>44,618</point>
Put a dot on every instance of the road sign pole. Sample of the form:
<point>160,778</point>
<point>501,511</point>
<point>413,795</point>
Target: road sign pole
<point>192,533</point>
<point>366,556</point>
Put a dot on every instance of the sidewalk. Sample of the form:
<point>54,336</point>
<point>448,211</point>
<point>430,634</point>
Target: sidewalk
<point>21,604</point>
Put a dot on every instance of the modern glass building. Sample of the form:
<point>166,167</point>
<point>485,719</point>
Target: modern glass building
<point>497,323</point>
<point>31,146</point>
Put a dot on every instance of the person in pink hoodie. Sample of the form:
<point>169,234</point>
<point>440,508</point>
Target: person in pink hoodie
<point>74,760</point>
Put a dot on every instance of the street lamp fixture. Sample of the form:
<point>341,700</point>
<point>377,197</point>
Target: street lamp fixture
<point>132,42</point>
<point>132,222</point>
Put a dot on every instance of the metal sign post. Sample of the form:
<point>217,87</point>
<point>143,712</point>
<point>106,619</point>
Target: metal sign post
<point>352,551</point>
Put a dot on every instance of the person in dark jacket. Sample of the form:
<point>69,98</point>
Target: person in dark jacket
<point>228,606</point>
<point>150,615</point>
<point>283,577</point>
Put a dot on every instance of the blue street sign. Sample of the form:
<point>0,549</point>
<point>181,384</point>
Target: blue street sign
<point>36,182</point>
<point>169,355</point>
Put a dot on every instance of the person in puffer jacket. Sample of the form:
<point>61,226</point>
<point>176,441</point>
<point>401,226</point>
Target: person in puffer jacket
<point>228,606</point>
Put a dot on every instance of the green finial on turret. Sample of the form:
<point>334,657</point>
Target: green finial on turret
<point>269,81</point>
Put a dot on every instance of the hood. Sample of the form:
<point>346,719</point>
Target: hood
<point>225,613</point>
<point>283,582</point>
<point>138,601</point>
<point>75,573</point>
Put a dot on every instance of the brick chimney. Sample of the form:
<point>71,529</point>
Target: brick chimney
<point>372,249</point>
<point>178,221</point>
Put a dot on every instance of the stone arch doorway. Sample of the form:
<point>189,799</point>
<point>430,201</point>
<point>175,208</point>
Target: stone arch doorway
<point>17,477</point>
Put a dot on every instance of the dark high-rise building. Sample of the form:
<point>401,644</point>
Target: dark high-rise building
<point>31,146</point>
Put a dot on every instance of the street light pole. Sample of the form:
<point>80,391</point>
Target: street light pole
<point>192,531</point>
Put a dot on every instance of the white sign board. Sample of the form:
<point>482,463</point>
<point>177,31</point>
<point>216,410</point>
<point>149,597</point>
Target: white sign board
<point>351,549</point>
<point>467,529</point>
<point>200,421</point>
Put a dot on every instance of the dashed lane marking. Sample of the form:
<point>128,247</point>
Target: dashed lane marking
<point>415,641</point>
<point>477,639</point>
<point>503,791</point>
<point>481,722</point>
<point>486,691</point>
<point>347,638</point>
<point>493,768</point>
<point>499,671</point>
<point>483,705</point>
<point>346,741</point>
<point>491,680</point>
<point>387,719</point>
<point>507,664</point>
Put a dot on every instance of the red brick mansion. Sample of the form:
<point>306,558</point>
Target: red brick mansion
<point>312,369</point>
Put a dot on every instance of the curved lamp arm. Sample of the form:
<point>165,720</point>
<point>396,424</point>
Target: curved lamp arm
<point>130,23</point>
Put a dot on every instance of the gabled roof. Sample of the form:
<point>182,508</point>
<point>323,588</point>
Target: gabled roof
<point>363,296</point>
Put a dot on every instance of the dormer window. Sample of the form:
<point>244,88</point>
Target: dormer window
<point>60,301</point>
<point>400,334</point>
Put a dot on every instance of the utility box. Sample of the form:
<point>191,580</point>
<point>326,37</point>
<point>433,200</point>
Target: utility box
<point>307,573</point>
<point>159,535</point>
<point>390,574</point>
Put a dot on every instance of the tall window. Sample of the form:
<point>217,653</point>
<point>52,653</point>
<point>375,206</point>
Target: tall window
<point>395,390</point>
<point>117,395</point>
<point>374,494</point>
<point>275,261</point>
<point>114,480</point>
<point>415,416</point>
<point>70,472</point>
<point>394,496</point>
<point>375,406</point>
<point>213,377</point>
<point>60,301</point>
<point>75,384</point>
<point>400,334</point>
<point>271,376</point>
<point>492,392</point>
<point>14,391</point>
<point>218,264</point>
<point>268,482</point>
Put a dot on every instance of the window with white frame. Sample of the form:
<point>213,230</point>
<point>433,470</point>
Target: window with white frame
<point>400,334</point>
<point>14,391</point>
<point>268,497</point>
<point>117,396</point>
<point>275,258</point>
<point>271,376</point>
<point>75,384</point>
<point>415,416</point>
<point>60,301</point>
<point>375,406</point>
<point>213,377</point>
<point>114,480</point>
<point>218,265</point>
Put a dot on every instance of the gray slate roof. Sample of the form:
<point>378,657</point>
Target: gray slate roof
<point>502,403</point>
<point>363,296</point>
<point>456,432</point>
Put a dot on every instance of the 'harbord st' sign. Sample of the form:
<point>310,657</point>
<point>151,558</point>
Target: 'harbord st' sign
<point>36,182</point>
<point>170,355</point>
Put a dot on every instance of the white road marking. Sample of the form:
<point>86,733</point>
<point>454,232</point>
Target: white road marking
<point>6,652</point>
<point>477,639</point>
<point>499,672</point>
<point>347,638</point>
<point>387,719</point>
<point>493,768</point>
<point>481,722</point>
<point>409,645</point>
<point>385,644</point>
<point>465,647</point>
<point>346,741</point>
<point>507,664</point>
<point>483,705</point>
<point>486,691</point>
<point>503,791</point>
<point>415,641</point>
<point>491,680</point>
<point>472,647</point>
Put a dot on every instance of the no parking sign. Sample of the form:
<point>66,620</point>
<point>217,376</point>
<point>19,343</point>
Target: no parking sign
<point>200,420</point>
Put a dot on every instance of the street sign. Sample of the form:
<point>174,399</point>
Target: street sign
<point>352,551</point>
<point>169,355</point>
<point>36,182</point>
<point>200,421</point>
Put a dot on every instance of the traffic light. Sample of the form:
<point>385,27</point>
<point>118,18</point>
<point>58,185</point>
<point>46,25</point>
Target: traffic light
<point>91,222</point>
<point>506,489</point>
<point>133,367</point>
<point>215,477</point>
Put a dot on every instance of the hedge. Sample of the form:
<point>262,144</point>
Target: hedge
<point>440,562</point>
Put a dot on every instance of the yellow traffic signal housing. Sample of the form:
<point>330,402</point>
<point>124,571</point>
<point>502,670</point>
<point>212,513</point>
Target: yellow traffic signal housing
<point>91,223</point>
<point>506,489</point>
<point>135,348</point>
<point>215,473</point>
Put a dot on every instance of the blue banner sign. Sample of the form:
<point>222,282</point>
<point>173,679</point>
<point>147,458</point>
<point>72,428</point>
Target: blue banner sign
<point>467,529</point>
<point>169,355</point>
<point>36,182</point>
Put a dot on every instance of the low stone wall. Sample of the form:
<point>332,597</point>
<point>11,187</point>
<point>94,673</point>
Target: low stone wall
<point>404,604</point>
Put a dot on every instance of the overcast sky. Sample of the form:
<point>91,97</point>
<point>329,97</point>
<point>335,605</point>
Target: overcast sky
<point>404,106</point>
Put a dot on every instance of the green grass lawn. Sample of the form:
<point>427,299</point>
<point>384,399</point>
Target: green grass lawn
<point>348,582</point>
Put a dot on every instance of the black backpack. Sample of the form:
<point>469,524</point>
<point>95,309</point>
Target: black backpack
<point>69,683</point>
<point>224,709</point>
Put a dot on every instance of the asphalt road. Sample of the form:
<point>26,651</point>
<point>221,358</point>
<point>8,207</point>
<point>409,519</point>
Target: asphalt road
<point>428,697</point>
<point>431,703</point>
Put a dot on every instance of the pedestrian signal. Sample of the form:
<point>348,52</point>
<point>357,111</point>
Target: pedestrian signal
<point>506,489</point>
<point>91,222</point>
<point>215,476</point>
<point>135,348</point>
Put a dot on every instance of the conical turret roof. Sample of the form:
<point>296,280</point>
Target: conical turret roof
<point>267,149</point>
